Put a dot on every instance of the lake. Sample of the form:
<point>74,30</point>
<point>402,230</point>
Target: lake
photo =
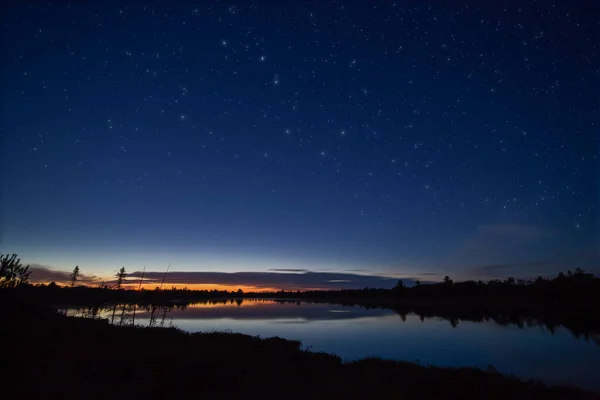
<point>527,351</point>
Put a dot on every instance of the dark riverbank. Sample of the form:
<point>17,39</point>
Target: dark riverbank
<point>52,356</point>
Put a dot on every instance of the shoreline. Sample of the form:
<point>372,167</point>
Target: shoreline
<point>68,353</point>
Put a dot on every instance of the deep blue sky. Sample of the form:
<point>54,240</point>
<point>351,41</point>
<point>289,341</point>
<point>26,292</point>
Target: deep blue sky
<point>396,139</point>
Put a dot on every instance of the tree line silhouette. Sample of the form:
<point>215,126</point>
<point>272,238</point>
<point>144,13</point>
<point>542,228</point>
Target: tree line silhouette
<point>571,299</point>
<point>571,288</point>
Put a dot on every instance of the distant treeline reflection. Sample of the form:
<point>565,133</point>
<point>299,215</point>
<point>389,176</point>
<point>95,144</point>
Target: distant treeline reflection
<point>159,315</point>
<point>571,299</point>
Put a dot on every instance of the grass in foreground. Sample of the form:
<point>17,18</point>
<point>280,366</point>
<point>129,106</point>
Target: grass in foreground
<point>52,356</point>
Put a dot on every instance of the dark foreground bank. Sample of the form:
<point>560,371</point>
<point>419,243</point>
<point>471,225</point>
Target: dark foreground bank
<point>53,356</point>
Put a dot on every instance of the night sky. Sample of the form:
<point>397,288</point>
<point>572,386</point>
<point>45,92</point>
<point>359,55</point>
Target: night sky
<point>359,138</point>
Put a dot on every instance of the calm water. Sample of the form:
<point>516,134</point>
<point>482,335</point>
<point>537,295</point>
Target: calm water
<point>354,332</point>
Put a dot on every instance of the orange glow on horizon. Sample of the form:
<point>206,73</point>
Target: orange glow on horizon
<point>168,286</point>
<point>198,286</point>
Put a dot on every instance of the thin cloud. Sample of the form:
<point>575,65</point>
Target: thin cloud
<point>44,274</point>
<point>283,280</point>
<point>528,270</point>
<point>506,269</point>
<point>490,237</point>
<point>500,244</point>
<point>500,267</point>
<point>289,270</point>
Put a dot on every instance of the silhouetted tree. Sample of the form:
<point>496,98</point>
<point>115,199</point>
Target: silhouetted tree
<point>447,280</point>
<point>120,276</point>
<point>74,275</point>
<point>12,273</point>
<point>399,286</point>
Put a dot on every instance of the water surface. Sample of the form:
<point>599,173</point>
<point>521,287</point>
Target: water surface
<point>527,351</point>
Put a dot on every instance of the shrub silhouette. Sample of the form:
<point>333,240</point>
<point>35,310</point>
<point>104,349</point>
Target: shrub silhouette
<point>12,273</point>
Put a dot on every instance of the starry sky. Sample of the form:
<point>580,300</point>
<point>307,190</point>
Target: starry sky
<point>364,139</point>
